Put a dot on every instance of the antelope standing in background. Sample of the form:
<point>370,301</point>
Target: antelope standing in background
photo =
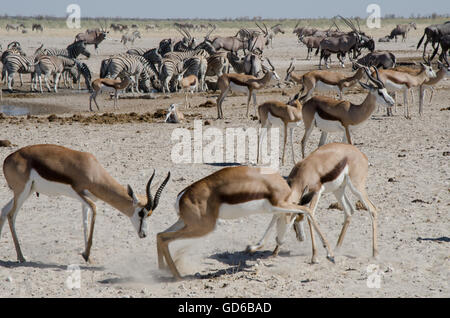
<point>331,115</point>
<point>402,29</point>
<point>403,81</point>
<point>279,114</point>
<point>58,171</point>
<point>189,84</point>
<point>243,83</point>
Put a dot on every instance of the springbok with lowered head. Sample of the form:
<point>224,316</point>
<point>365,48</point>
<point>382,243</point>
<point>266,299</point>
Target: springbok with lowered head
<point>109,85</point>
<point>279,114</point>
<point>58,171</point>
<point>332,115</point>
<point>243,83</point>
<point>330,168</point>
<point>231,193</point>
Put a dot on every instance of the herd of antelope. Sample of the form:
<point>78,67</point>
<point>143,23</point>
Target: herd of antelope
<point>235,192</point>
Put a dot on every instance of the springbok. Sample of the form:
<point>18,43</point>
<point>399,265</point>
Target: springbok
<point>404,81</point>
<point>108,84</point>
<point>330,168</point>
<point>58,171</point>
<point>443,72</point>
<point>279,114</point>
<point>243,83</point>
<point>174,116</point>
<point>231,193</point>
<point>331,115</point>
<point>189,84</point>
<point>326,81</point>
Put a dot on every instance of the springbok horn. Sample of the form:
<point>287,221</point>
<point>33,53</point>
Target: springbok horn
<point>149,204</point>
<point>273,68</point>
<point>159,191</point>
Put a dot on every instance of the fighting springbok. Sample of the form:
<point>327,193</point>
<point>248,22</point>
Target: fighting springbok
<point>243,83</point>
<point>58,171</point>
<point>330,168</point>
<point>231,193</point>
<point>332,115</point>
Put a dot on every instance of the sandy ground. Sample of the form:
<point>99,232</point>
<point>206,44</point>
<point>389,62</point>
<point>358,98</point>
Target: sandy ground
<point>413,210</point>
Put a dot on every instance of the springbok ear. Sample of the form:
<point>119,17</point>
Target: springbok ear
<point>132,195</point>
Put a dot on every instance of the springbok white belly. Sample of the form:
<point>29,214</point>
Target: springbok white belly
<point>336,183</point>
<point>328,125</point>
<point>234,211</point>
<point>277,122</point>
<point>322,87</point>
<point>391,86</point>
<point>51,188</point>
<point>238,88</point>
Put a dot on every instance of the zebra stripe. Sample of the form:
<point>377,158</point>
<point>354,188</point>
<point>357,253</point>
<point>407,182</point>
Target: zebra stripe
<point>72,51</point>
<point>15,63</point>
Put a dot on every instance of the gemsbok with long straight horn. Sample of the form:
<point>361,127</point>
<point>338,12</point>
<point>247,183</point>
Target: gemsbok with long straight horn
<point>332,115</point>
<point>231,193</point>
<point>330,168</point>
<point>59,171</point>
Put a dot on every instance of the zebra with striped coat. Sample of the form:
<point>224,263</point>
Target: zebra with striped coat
<point>72,51</point>
<point>15,63</point>
<point>134,65</point>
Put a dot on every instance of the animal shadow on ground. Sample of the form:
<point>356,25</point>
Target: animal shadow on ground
<point>13,264</point>
<point>223,164</point>
<point>237,261</point>
<point>441,239</point>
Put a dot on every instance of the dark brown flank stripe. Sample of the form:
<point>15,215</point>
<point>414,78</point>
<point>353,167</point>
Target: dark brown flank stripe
<point>325,115</point>
<point>49,174</point>
<point>335,172</point>
<point>241,197</point>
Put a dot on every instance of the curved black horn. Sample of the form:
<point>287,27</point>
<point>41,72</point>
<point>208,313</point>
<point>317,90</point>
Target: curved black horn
<point>149,204</point>
<point>159,191</point>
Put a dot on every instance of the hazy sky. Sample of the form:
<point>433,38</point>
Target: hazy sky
<point>224,8</point>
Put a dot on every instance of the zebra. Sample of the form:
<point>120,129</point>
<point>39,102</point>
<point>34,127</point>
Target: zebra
<point>172,64</point>
<point>72,51</point>
<point>13,48</point>
<point>51,65</point>
<point>218,64</point>
<point>15,63</point>
<point>134,65</point>
<point>58,66</point>
<point>75,71</point>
